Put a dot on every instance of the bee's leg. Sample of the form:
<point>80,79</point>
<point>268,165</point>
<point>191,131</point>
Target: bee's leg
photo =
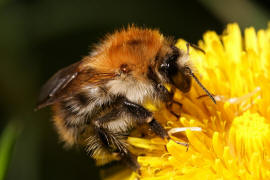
<point>158,129</point>
<point>169,106</point>
<point>114,142</point>
<point>144,116</point>
<point>131,161</point>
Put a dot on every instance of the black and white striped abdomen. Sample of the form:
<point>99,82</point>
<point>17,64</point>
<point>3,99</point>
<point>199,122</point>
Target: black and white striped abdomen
<point>81,107</point>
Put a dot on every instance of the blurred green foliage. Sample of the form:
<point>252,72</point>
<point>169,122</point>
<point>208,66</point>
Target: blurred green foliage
<point>38,37</point>
<point>7,140</point>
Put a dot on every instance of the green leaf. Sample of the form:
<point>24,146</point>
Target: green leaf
<point>7,141</point>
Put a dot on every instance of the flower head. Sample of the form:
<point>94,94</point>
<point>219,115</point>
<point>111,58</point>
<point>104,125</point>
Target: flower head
<point>227,140</point>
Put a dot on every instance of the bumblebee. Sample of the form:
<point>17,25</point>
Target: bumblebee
<point>98,100</point>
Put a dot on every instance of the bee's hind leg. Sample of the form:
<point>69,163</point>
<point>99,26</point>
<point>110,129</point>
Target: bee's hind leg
<point>114,142</point>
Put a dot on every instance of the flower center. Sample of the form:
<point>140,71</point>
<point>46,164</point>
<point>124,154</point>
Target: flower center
<point>249,134</point>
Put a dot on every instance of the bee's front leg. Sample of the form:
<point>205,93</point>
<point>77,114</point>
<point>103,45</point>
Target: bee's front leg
<point>172,105</point>
<point>167,96</point>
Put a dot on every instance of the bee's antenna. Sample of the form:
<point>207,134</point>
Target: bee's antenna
<point>195,47</point>
<point>200,84</point>
<point>188,48</point>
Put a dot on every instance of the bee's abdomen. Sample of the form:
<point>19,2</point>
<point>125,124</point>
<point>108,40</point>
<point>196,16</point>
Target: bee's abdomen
<point>73,114</point>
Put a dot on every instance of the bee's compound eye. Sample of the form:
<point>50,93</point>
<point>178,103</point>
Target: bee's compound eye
<point>169,67</point>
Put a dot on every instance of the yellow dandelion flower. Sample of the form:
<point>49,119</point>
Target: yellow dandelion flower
<point>227,140</point>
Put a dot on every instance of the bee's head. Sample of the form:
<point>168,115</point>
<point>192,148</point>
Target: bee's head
<point>174,67</point>
<point>175,70</point>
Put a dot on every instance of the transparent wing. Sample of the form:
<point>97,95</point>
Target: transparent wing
<point>51,90</point>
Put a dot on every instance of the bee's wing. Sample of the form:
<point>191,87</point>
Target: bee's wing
<point>50,92</point>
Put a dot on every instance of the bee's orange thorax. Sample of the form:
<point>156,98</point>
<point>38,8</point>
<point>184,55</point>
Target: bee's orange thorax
<point>134,47</point>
